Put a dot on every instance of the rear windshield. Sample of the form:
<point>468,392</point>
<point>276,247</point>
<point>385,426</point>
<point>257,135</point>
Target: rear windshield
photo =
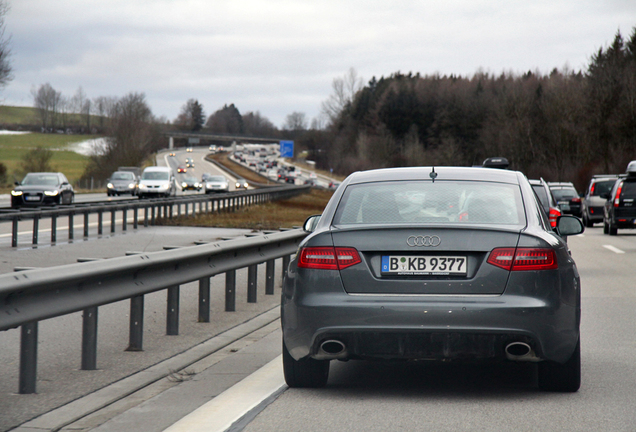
<point>602,187</point>
<point>628,190</point>
<point>415,202</point>
<point>564,193</point>
<point>155,175</point>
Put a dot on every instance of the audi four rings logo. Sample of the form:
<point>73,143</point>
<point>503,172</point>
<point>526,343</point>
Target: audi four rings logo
<point>423,241</point>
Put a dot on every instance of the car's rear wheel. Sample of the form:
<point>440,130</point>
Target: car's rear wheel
<point>306,372</point>
<point>587,221</point>
<point>564,377</point>
<point>611,229</point>
<point>605,228</point>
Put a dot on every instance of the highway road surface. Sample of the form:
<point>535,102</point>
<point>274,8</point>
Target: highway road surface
<point>234,380</point>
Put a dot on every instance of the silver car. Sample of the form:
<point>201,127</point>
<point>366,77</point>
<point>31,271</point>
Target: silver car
<point>215,184</point>
<point>447,264</point>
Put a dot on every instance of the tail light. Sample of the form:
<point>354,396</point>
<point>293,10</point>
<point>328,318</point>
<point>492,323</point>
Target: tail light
<point>328,258</point>
<point>592,188</point>
<point>576,199</point>
<point>617,200</point>
<point>553,215</point>
<point>523,259</point>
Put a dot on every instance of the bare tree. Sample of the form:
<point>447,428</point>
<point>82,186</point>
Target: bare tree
<point>344,89</point>
<point>102,106</point>
<point>47,101</point>
<point>5,52</point>
<point>295,122</point>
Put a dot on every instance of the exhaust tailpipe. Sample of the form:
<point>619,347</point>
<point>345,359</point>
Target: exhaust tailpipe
<point>520,351</point>
<point>333,347</point>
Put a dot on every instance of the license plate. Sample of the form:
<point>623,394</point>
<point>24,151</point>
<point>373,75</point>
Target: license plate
<point>405,265</point>
<point>564,205</point>
<point>32,198</point>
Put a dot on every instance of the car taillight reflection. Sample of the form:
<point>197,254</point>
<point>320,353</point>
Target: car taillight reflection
<point>523,259</point>
<point>328,258</point>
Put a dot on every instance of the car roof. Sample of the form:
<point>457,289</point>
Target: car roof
<point>443,173</point>
<point>158,168</point>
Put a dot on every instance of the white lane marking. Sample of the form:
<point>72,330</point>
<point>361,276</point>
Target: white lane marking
<point>228,407</point>
<point>613,249</point>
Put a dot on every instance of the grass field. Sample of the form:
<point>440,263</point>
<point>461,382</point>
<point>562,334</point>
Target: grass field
<point>14,147</point>
<point>24,116</point>
<point>271,216</point>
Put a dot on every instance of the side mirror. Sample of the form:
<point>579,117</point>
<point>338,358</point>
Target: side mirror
<point>569,225</point>
<point>311,222</point>
<point>16,183</point>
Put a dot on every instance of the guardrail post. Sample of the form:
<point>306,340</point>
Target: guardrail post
<point>14,232</point>
<point>186,209</point>
<point>89,338</point>
<point>204,299</point>
<point>85,224</point>
<point>252,272</point>
<point>53,228</point>
<point>136,337</point>
<point>135,217</point>
<point>269,277</point>
<point>71,232</point>
<point>230,291</point>
<point>170,213</point>
<point>28,357</point>
<point>172,318</point>
<point>112,220</point>
<point>100,222</point>
<point>286,260</point>
<point>178,209</point>
<point>152,216</point>
<point>36,228</point>
<point>146,216</point>
<point>125,219</point>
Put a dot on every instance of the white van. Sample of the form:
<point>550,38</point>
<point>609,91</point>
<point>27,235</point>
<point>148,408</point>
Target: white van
<point>157,181</point>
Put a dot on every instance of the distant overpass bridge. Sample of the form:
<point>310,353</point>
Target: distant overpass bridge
<point>219,137</point>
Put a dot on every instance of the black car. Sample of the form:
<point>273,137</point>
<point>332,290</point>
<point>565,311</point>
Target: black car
<point>43,188</point>
<point>122,182</point>
<point>567,198</point>
<point>433,264</point>
<point>190,183</point>
<point>620,207</point>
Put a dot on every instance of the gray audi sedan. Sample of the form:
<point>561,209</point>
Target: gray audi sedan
<point>443,263</point>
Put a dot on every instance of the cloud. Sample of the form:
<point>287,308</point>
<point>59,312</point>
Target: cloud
<point>280,56</point>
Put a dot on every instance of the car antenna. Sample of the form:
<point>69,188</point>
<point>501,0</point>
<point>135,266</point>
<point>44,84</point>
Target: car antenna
<point>433,174</point>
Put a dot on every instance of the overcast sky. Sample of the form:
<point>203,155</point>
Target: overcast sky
<point>281,56</point>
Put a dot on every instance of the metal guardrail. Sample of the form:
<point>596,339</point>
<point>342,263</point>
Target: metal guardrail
<point>32,295</point>
<point>152,208</point>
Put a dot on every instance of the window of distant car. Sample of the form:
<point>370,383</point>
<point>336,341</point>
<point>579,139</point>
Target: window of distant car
<point>413,202</point>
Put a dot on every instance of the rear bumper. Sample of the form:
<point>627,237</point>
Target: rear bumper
<point>429,327</point>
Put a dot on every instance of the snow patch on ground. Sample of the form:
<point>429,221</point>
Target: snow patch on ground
<point>8,132</point>
<point>90,147</point>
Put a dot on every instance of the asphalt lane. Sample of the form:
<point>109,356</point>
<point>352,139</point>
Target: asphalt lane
<point>374,396</point>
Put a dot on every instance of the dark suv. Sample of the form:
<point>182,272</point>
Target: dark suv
<point>567,197</point>
<point>620,207</point>
<point>593,202</point>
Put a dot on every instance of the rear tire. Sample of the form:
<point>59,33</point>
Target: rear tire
<point>557,377</point>
<point>605,228</point>
<point>587,221</point>
<point>612,230</point>
<point>306,372</point>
